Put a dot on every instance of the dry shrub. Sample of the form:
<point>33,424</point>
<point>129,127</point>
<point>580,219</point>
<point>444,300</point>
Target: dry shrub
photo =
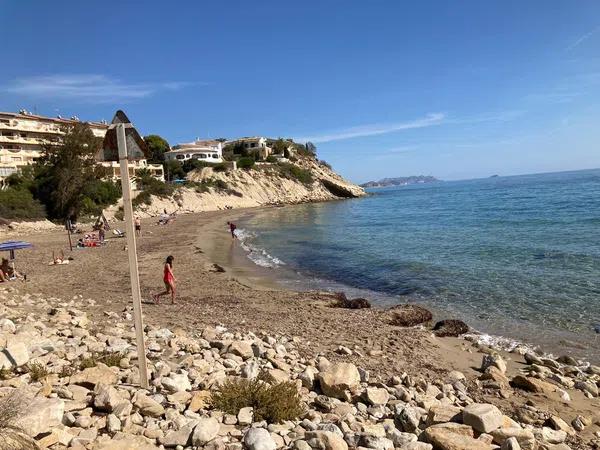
<point>37,371</point>
<point>111,359</point>
<point>271,402</point>
<point>11,435</point>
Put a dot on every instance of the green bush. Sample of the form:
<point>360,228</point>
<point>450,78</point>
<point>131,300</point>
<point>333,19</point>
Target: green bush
<point>271,402</point>
<point>37,371</point>
<point>294,172</point>
<point>245,162</point>
<point>18,203</point>
<point>143,198</point>
<point>325,164</point>
<point>98,194</point>
<point>271,159</point>
<point>193,164</point>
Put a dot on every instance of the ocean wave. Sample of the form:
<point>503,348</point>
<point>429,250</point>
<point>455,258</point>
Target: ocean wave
<point>257,255</point>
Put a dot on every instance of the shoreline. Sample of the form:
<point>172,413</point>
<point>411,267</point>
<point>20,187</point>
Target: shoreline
<point>242,301</point>
<point>236,260</point>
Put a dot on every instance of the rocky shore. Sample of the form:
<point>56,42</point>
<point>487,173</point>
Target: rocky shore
<point>72,382</point>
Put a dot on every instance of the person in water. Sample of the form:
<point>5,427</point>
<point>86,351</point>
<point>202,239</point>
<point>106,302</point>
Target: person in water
<point>169,280</point>
<point>232,228</point>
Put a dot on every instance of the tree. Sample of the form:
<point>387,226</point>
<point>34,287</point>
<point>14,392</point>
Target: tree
<point>173,170</point>
<point>280,146</point>
<point>64,170</point>
<point>311,148</point>
<point>157,146</point>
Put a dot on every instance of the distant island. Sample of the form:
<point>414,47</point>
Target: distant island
<point>400,181</point>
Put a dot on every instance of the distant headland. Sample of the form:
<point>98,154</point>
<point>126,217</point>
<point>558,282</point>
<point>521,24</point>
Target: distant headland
<point>400,181</point>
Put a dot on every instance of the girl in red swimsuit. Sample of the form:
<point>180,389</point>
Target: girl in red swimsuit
<point>169,280</point>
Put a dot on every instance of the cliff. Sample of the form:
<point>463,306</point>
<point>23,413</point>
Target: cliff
<point>265,184</point>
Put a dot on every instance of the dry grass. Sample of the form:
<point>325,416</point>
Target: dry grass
<point>11,435</point>
<point>111,359</point>
<point>273,403</point>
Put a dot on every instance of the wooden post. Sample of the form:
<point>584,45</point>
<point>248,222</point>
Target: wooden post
<point>132,253</point>
<point>68,226</point>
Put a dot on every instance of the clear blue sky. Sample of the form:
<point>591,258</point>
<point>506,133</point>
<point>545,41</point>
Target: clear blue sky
<point>384,88</point>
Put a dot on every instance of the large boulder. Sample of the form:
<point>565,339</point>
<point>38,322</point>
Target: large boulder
<point>409,315</point>
<point>259,439</point>
<point>41,415</point>
<point>450,328</point>
<point>106,398</point>
<point>178,437</point>
<point>14,355</point>
<point>177,382</point>
<point>99,374</point>
<point>148,406</point>
<point>340,380</point>
<point>531,384</point>
<point>453,436</point>
<point>483,417</point>
<point>242,349</point>
<point>206,430</point>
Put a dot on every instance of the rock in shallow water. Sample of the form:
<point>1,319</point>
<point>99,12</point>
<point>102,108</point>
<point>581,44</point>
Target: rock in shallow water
<point>409,315</point>
<point>450,328</point>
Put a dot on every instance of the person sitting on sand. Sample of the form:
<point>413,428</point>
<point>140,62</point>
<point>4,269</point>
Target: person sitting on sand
<point>3,277</point>
<point>232,228</point>
<point>9,272</point>
<point>169,280</point>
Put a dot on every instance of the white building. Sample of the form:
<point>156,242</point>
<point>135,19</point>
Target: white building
<point>23,135</point>
<point>203,150</point>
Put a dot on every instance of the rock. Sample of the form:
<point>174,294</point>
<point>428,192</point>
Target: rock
<point>375,442</point>
<point>242,349</point>
<point>14,355</point>
<point>259,439</point>
<point>409,315</point>
<point>343,302</point>
<point>453,436</point>
<point>106,398</point>
<point>483,417</point>
<point>7,326</point>
<point>90,377</point>
<point>443,414</point>
<point>308,377</point>
<point>399,438</point>
<point>408,417</point>
<point>126,442</point>
<point>451,327</point>
<point>494,360</point>
<point>511,444</point>
<point>587,386</point>
<point>41,415</point>
<point>250,370</point>
<point>377,396</point>
<point>148,406</point>
<point>532,385</point>
<point>325,440</point>
<point>245,416</point>
<point>200,400</point>
<point>558,424</point>
<point>340,380</point>
<point>178,437</point>
<point>113,424</point>
<point>176,382</point>
<point>553,436</point>
<point>417,446</point>
<point>206,430</point>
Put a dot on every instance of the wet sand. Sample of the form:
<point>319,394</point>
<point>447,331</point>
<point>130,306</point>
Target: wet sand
<point>247,298</point>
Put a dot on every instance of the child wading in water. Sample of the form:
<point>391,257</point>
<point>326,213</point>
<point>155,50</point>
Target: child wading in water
<point>169,280</point>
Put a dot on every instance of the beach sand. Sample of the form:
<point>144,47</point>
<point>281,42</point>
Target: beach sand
<point>248,298</point>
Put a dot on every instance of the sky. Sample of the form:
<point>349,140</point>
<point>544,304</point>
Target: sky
<point>457,90</point>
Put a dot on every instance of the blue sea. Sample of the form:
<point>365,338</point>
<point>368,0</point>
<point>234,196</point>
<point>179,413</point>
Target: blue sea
<point>516,257</point>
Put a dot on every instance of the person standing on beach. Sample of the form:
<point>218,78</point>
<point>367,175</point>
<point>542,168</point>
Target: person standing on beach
<point>232,228</point>
<point>169,280</point>
<point>138,225</point>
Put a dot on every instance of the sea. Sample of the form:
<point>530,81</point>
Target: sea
<point>517,258</point>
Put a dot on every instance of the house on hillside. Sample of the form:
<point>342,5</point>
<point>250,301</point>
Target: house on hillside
<point>209,151</point>
<point>256,145</point>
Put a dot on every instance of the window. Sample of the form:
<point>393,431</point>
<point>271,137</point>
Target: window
<point>215,156</point>
<point>253,145</point>
<point>202,155</point>
<point>180,156</point>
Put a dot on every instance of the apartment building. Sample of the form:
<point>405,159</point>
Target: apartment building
<point>23,135</point>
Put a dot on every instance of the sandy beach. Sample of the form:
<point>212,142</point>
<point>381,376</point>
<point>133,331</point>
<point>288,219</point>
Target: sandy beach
<point>245,298</point>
